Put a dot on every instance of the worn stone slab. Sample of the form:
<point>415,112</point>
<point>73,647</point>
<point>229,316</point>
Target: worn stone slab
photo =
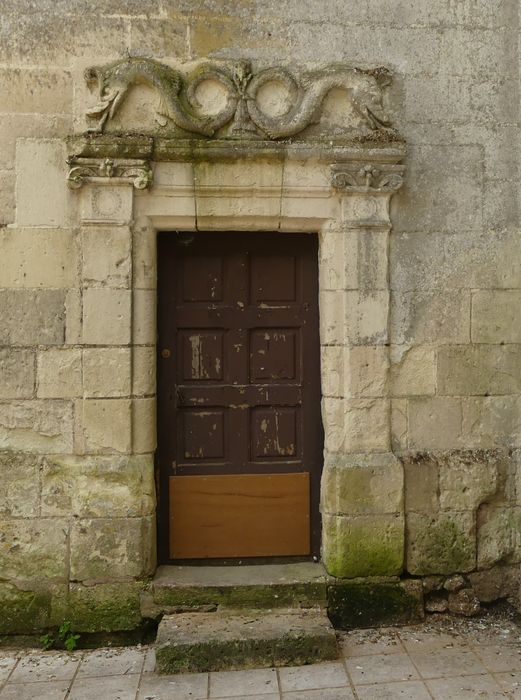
<point>226,641</point>
<point>263,586</point>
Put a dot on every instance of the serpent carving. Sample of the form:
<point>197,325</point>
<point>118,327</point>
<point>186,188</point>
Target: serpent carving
<point>178,96</point>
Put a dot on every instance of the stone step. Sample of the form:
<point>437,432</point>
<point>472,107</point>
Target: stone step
<point>295,585</point>
<point>228,640</point>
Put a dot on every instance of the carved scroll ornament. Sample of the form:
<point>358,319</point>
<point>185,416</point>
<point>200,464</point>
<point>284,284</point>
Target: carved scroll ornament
<point>81,170</point>
<point>178,102</point>
<point>356,178</point>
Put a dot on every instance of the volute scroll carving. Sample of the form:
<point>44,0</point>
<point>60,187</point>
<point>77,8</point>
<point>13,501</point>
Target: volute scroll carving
<point>242,113</point>
<point>81,170</point>
<point>357,178</point>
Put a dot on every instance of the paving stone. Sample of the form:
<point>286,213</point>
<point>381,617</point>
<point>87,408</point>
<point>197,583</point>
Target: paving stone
<point>466,688</point>
<point>52,690</point>
<point>499,657</point>
<point>447,662</point>
<point>407,690</point>
<point>108,688</point>
<point>382,668</point>
<point>322,694</point>
<point>313,677</point>
<point>238,683</point>
<point>7,664</point>
<point>370,642</point>
<point>45,667</point>
<point>112,662</point>
<point>191,685</point>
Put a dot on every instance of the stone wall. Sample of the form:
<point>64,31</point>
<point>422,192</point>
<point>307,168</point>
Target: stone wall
<point>76,406</point>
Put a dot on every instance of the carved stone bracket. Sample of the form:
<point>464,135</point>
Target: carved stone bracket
<point>369,178</point>
<point>242,113</point>
<point>81,170</point>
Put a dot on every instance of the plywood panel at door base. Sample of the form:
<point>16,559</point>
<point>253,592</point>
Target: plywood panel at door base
<point>251,515</point>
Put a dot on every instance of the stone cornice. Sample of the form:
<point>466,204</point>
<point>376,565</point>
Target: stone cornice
<point>159,149</point>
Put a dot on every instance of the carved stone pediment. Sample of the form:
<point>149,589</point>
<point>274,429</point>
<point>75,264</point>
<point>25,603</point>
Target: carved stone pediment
<point>243,115</point>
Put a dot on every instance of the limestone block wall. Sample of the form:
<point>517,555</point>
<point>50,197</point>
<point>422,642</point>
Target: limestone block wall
<point>441,383</point>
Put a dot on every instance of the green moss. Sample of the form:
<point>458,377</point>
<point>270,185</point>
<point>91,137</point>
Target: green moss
<point>372,546</point>
<point>252,653</point>
<point>106,607</point>
<point>365,604</point>
<point>23,611</point>
<point>272,596</point>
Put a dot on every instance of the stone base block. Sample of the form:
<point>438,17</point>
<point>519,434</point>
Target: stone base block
<point>374,602</point>
<point>371,545</point>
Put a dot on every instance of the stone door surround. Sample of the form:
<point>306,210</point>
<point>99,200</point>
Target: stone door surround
<point>232,172</point>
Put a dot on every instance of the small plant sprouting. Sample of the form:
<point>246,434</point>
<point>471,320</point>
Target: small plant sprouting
<point>65,638</point>
<point>47,641</point>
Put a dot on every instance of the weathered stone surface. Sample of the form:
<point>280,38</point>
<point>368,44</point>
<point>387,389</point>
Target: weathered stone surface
<point>440,544</point>
<point>434,423</point>
<point>43,427</point>
<point>106,316</point>
<point>491,421</point>
<point>430,316</point>
<point>19,497</point>
<point>97,487</point>
<point>421,476</point>
<point>464,602</point>
<point>496,582</point>
<point>436,603</point>
<point>466,479</point>
<point>366,317</point>
<point>106,256</point>
<point>367,371</point>
<point>144,426</point>
<point>454,583</point>
<point>42,196</point>
<point>106,425</point>
<point>59,373</point>
<point>367,424</point>
<point>363,546</point>
<point>413,371</point>
<point>7,198</point>
<point>479,369</point>
<point>143,371</point>
<point>218,641</point>
<point>17,375</point>
<point>29,317</point>
<point>36,90</point>
<point>34,550</point>
<point>144,317</point>
<point>104,549</point>
<point>369,484</point>
<point>106,372</point>
<point>34,257</point>
<point>499,538</point>
<point>494,316</point>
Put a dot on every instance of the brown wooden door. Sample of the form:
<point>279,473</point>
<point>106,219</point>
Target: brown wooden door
<point>240,435</point>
